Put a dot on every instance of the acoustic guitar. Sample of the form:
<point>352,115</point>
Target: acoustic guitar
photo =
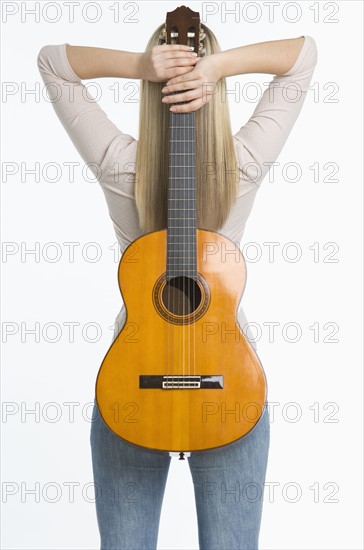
<point>181,375</point>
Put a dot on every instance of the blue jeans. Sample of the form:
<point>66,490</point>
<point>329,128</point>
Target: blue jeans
<point>130,483</point>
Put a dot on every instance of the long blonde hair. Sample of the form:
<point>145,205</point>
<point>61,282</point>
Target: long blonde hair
<point>216,163</point>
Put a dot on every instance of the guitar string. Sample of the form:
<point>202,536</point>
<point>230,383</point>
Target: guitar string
<point>194,240</point>
<point>183,263</point>
<point>169,230</point>
<point>190,230</point>
<point>169,249</point>
<point>182,185</point>
<point>186,222</point>
<point>189,235</point>
<point>177,247</point>
<point>185,229</point>
<point>166,281</point>
<point>176,232</point>
<point>184,143</point>
<point>171,263</point>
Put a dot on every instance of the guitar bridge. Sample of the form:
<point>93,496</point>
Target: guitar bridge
<point>181,382</point>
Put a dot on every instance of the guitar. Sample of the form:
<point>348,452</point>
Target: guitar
<point>181,375</point>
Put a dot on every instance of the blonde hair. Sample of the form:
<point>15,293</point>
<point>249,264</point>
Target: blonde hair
<point>216,165</point>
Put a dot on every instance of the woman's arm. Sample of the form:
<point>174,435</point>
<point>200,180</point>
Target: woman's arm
<point>94,135</point>
<point>275,57</point>
<point>156,65</point>
<point>86,123</point>
<point>89,62</point>
<point>263,136</point>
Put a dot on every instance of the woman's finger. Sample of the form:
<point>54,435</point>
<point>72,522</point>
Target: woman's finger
<point>189,107</point>
<point>176,55</point>
<point>181,62</point>
<point>177,80</point>
<point>184,96</point>
<point>171,49</point>
<point>176,71</point>
<point>187,84</point>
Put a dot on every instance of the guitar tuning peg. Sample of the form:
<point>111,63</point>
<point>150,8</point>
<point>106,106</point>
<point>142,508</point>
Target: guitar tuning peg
<point>202,35</point>
<point>163,35</point>
<point>201,50</point>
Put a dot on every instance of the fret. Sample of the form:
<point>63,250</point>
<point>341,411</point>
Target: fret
<point>192,275</point>
<point>189,178</point>
<point>185,200</point>
<point>179,190</point>
<point>179,173</point>
<point>185,154</point>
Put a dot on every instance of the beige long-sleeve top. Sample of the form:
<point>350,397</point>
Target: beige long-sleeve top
<point>113,153</point>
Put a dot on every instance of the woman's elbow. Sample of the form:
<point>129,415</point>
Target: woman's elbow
<point>42,58</point>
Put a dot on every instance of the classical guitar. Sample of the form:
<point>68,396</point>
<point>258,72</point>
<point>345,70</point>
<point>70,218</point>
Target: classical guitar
<point>181,375</point>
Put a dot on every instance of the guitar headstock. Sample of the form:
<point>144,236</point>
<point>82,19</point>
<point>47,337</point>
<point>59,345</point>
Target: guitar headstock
<point>183,26</point>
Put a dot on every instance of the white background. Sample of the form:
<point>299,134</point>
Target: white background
<point>318,377</point>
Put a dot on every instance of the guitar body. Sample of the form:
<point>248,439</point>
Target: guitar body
<point>181,376</point>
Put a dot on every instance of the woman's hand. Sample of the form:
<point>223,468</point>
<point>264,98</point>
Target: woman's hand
<point>200,84</point>
<point>166,61</point>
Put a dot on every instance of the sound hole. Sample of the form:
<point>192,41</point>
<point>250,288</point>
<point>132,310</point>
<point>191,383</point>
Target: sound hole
<point>181,295</point>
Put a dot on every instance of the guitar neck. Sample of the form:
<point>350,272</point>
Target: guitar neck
<point>181,208</point>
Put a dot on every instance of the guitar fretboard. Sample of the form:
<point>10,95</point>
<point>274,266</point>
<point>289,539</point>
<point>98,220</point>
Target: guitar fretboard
<point>181,227</point>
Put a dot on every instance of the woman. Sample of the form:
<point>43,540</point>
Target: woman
<point>130,480</point>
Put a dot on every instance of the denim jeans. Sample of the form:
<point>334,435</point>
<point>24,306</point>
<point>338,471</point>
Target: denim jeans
<point>130,483</point>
